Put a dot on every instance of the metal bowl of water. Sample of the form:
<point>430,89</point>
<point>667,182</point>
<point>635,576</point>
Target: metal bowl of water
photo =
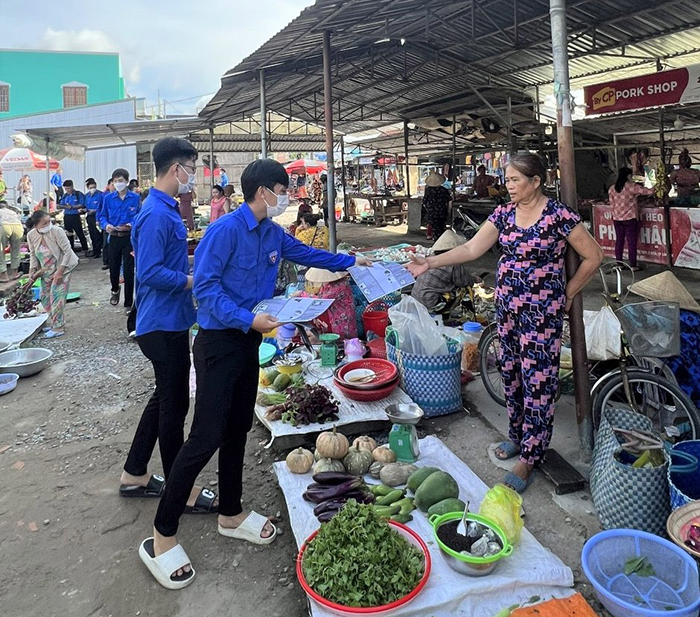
<point>25,362</point>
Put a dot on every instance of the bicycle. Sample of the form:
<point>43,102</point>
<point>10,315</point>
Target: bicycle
<point>637,379</point>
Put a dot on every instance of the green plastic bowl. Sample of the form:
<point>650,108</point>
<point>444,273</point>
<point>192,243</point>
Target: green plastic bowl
<point>266,352</point>
<point>465,564</point>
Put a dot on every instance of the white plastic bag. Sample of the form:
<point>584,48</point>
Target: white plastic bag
<point>417,331</point>
<point>602,334</point>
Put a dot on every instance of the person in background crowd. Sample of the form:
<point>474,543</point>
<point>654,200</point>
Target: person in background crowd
<point>164,317</point>
<point>116,218</point>
<point>105,236</point>
<point>3,186</point>
<point>482,182</point>
<point>625,212</point>
<point>24,193</point>
<point>52,259</point>
<point>73,205</point>
<point>685,178</point>
<point>57,183</point>
<point>11,232</point>
<point>220,204</point>
<point>229,193</point>
<point>228,284</point>
<point>134,185</point>
<point>436,201</point>
<point>224,179</point>
<point>311,233</point>
<point>324,199</point>
<point>92,203</point>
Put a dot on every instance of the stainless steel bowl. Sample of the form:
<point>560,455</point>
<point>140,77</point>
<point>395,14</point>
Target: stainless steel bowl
<point>469,569</point>
<point>25,362</point>
<point>4,346</point>
<point>404,413</point>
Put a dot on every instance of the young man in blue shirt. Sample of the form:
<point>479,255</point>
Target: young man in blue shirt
<point>116,218</point>
<point>57,183</point>
<point>105,236</point>
<point>235,268</point>
<point>92,203</point>
<point>163,319</point>
<point>224,179</point>
<point>73,205</point>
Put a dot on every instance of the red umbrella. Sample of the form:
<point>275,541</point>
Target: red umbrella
<point>305,166</point>
<point>24,159</point>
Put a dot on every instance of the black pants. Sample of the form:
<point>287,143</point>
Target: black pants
<point>95,234</point>
<point>105,248</point>
<point>226,362</point>
<point>73,222</point>
<point>163,419</point>
<point>120,250</point>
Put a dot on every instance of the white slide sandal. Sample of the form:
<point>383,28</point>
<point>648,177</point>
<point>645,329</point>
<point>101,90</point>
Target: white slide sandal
<point>250,530</point>
<point>165,565</point>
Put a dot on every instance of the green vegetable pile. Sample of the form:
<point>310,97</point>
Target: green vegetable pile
<point>358,560</point>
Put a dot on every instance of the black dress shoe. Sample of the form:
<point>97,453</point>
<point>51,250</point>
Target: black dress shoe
<point>105,267</point>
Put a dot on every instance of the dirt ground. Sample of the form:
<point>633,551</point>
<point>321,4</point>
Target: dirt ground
<point>69,543</point>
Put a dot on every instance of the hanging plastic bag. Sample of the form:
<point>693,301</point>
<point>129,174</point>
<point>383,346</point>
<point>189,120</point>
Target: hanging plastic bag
<point>602,334</point>
<point>418,333</point>
<point>502,506</point>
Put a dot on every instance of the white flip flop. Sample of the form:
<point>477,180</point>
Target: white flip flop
<point>165,565</point>
<point>250,530</point>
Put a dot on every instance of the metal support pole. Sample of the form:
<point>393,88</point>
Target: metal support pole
<point>664,205</point>
<point>405,154</point>
<point>511,149</point>
<point>211,156</point>
<point>328,109</point>
<point>567,171</point>
<point>617,160</point>
<point>263,116</point>
<point>346,214</point>
<point>538,115</point>
<point>454,157</point>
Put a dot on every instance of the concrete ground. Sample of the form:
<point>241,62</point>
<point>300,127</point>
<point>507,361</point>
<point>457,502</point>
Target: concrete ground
<point>69,542</point>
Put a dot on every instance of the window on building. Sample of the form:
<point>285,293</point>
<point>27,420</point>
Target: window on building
<point>4,97</point>
<point>74,94</point>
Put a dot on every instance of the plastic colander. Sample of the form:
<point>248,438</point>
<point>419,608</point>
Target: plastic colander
<point>673,590</point>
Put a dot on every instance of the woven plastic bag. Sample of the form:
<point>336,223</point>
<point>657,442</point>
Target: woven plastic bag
<point>418,332</point>
<point>502,506</point>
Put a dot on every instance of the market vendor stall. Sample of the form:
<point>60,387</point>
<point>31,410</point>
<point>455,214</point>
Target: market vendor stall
<point>377,209</point>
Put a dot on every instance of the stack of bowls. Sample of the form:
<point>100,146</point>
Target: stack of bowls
<point>367,380</point>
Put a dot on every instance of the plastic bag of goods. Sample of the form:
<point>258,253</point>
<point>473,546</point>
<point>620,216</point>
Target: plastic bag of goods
<point>418,332</point>
<point>502,506</point>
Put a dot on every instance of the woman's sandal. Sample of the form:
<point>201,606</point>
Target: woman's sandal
<point>517,483</point>
<point>508,448</point>
<point>154,488</point>
<point>204,504</point>
<point>250,530</point>
<point>164,567</point>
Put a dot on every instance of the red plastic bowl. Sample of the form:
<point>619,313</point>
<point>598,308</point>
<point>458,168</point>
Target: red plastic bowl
<point>340,609</point>
<point>384,370</point>
<point>368,396</point>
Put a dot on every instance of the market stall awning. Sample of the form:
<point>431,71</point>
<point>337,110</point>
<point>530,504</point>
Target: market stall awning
<point>251,143</point>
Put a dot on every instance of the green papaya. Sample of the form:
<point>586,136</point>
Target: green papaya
<point>447,505</point>
<point>281,382</point>
<point>417,477</point>
<point>436,487</point>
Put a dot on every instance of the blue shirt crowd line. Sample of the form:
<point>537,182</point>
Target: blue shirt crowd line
<point>73,203</point>
<point>236,267</point>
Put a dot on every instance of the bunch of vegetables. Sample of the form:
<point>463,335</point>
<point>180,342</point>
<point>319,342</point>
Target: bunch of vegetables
<point>358,560</point>
<point>21,301</point>
<point>331,490</point>
<point>305,404</point>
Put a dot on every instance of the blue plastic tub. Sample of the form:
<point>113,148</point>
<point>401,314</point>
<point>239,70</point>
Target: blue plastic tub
<point>684,483</point>
<point>673,590</point>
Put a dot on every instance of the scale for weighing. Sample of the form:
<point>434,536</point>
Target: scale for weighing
<point>403,437</point>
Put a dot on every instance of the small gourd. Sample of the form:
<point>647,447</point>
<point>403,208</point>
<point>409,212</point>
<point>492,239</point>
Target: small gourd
<point>375,469</point>
<point>332,444</point>
<point>384,455</point>
<point>365,443</point>
<point>328,464</point>
<point>357,461</point>
<point>300,460</point>
<point>396,474</point>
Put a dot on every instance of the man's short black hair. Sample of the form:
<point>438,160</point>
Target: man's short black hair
<point>68,183</point>
<point>133,183</point>
<point>120,172</point>
<point>90,181</point>
<point>263,172</point>
<point>171,150</point>
<point>223,171</point>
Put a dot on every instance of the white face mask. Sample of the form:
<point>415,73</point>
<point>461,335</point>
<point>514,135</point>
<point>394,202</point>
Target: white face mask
<point>280,206</point>
<point>92,191</point>
<point>45,230</point>
<point>189,185</point>
<point>120,186</point>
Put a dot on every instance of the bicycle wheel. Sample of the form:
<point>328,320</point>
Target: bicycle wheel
<point>489,365</point>
<point>671,411</point>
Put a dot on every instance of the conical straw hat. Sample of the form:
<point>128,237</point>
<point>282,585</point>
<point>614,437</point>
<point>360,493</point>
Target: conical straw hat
<point>317,275</point>
<point>665,287</point>
<point>434,179</point>
<point>448,240</point>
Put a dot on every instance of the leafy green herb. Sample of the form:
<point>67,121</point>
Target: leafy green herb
<point>639,566</point>
<point>358,560</point>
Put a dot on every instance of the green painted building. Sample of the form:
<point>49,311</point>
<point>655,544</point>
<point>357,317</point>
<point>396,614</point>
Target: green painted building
<point>39,81</point>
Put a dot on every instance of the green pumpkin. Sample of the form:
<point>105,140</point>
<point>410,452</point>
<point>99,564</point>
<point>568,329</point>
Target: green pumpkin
<point>328,464</point>
<point>357,461</point>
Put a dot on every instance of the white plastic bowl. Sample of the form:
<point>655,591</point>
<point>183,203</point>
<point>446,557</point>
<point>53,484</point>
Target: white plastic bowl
<point>8,382</point>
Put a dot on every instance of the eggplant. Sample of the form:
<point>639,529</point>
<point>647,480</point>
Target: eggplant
<point>324,517</point>
<point>332,477</point>
<point>330,492</point>
<point>332,505</point>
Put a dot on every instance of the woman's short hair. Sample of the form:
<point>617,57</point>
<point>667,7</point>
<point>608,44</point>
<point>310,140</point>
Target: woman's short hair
<point>218,187</point>
<point>530,165</point>
<point>35,218</point>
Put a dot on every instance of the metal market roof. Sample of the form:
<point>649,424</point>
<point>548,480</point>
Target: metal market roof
<point>406,59</point>
<point>251,143</point>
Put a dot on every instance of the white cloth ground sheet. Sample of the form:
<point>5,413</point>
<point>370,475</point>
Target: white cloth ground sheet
<point>17,331</point>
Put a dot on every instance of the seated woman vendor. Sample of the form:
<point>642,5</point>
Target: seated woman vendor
<point>311,233</point>
<point>340,317</point>
<point>441,286</point>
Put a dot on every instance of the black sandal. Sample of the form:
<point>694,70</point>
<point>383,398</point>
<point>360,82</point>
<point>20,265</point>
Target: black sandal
<point>114,300</point>
<point>154,488</point>
<point>204,504</point>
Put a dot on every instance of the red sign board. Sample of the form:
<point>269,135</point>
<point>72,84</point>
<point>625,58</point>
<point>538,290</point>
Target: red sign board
<point>663,88</point>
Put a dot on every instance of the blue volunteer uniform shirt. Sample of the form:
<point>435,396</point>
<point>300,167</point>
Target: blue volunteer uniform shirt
<point>159,238</point>
<point>224,180</point>
<point>72,203</point>
<point>117,211</point>
<point>92,201</point>
<point>57,180</point>
<point>236,266</point>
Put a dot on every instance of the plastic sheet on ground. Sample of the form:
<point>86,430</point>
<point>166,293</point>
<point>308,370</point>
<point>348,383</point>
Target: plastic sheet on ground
<point>531,570</point>
<point>16,331</point>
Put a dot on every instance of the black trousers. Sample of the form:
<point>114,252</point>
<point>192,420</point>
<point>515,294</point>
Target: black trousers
<point>105,248</point>
<point>73,222</point>
<point>163,419</point>
<point>120,251</point>
<point>95,234</point>
<point>227,368</point>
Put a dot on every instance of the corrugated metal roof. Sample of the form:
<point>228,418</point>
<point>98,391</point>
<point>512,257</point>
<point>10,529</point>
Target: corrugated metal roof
<point>251,143</point>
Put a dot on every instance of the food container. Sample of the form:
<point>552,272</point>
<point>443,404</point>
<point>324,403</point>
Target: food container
<point>465,564</point>
<point>266,352</point>
<point>25,362</point>
<point>386,609</point>
<point>289,364</point>
<point>470,349</point>
<point>385,372</point>
<point>8,382</point>
<point>679,522</point>
<point>368,396</point>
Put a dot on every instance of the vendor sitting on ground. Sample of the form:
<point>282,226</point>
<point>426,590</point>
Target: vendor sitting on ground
<point>340,317</point>
<point>441,286</point>
<point>311,233</point>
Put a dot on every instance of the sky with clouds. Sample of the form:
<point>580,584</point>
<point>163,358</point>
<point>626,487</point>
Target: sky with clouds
<point>180,48</point>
